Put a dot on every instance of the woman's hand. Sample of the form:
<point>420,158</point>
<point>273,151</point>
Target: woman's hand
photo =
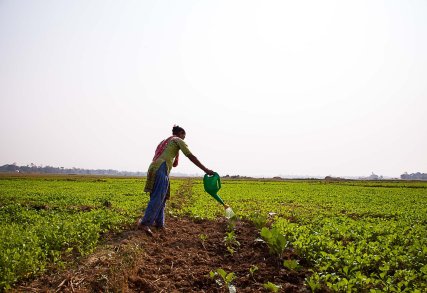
<point>209,172</point>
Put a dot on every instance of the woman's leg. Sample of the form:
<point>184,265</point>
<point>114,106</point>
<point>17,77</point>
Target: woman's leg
<point>152,210</point>
<point>160,219</point>
<point>157,197</point>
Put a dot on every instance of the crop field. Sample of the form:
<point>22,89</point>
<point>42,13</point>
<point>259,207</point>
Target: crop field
<point>77,232</point>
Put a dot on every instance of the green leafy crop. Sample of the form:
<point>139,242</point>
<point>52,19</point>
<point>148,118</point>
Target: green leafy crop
<point>275,240</point>
<point>355,236</point>
<point>225,278</point>
<point>44,219</point>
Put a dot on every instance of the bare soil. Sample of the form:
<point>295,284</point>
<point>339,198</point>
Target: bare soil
<point>177,259</point>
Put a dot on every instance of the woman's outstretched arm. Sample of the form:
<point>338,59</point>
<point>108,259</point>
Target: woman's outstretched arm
<point>199,164</point>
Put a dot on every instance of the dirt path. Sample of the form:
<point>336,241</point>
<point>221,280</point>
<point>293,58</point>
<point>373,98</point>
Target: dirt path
<point>176,260</point>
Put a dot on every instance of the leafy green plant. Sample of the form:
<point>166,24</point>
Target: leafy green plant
<point>231,242</point>
<point>252,271</point>
<point>106,203</point>
<point>291,264</point>
<point>230,249</point>
<point>203,238</point>
<point>225,278</point>
<point>275,240</point>
<point>314,282</point>
<point>271,287</point>
<point>259,220</point>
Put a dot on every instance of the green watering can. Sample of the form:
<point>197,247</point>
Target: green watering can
<point>212,185</point>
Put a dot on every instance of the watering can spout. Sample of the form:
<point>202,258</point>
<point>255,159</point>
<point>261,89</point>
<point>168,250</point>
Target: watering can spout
<point>229,213</point>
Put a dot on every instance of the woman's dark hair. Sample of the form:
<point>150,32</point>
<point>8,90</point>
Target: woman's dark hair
<point>176,130</point>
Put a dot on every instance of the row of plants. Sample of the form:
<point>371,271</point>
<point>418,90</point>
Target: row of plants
<point>356,237</point>
<point>46,221</point>
<point>350,255</point>
<point>224,278</point>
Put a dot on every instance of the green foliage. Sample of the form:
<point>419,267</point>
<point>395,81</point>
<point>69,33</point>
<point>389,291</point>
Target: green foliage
<point>225,278</point>
<point>275,240</point>
<point>271,287</point>
<point>357,236</point>
<point>291,264</point>
<point>231,242</point>
<point>21,254</point>
<point>314,282</point>
<point>259,220</point>
<point>203,238</point>
<point>253,269</point>
<point>44,219</point>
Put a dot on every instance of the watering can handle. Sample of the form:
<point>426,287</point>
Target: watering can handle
<point>219,179</point>
<point>215,175</point>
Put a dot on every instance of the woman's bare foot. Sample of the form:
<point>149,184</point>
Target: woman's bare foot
<point>147,230</point>
<point>144,228</point>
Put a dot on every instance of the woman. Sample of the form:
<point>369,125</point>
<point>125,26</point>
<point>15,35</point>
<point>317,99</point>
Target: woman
<point>165,157</point>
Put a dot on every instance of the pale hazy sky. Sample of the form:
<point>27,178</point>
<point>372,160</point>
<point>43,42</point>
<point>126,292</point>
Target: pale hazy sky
<point>263,88</point>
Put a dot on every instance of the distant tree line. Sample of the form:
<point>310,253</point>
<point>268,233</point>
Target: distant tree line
<point>237,177</point>
<point>414,176</point>
<point>32,168</point>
